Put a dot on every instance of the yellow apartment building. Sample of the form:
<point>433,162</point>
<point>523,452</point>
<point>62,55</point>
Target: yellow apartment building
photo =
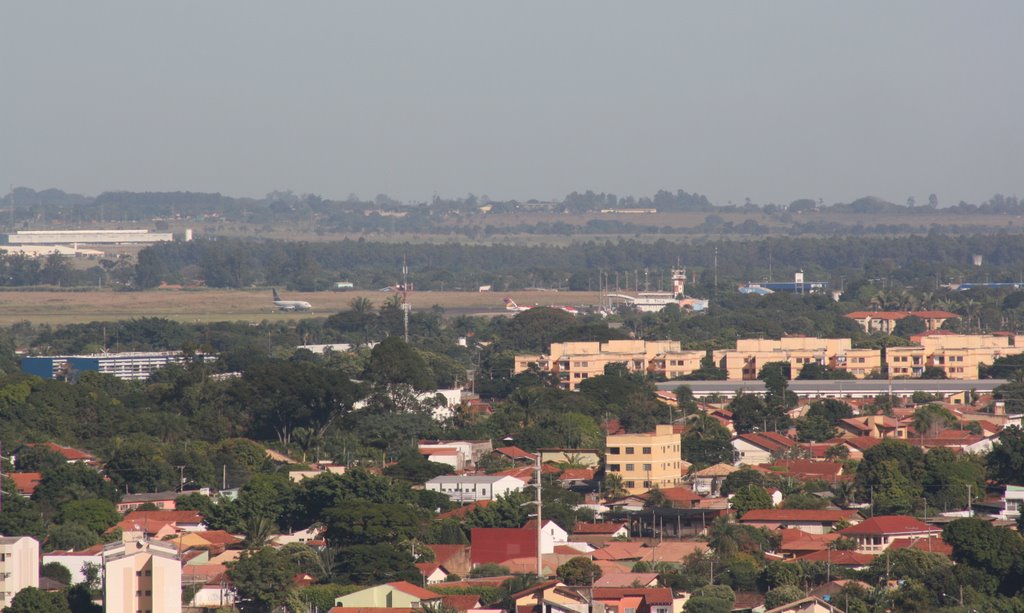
<point>751,354</point>
<point>679,363</point>
<point>142,575</point>
<point>576,362</point>
<point>958,355</point>
<point>645,460</point>
<point>858,362</point>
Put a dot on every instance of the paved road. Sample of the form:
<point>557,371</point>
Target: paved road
<point>848,388</point>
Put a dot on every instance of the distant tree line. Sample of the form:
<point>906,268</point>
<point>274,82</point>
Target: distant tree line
<point>472,216</point>
<point>919,262</point>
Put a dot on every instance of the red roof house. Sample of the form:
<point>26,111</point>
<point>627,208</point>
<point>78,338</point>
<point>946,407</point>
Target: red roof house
<point>875,535</point>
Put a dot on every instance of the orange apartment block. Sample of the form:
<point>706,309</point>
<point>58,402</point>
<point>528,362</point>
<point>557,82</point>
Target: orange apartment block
<point>645,460</point>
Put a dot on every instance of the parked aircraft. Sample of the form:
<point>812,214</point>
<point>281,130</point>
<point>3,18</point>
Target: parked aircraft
<point>510,305</point>
<point>290,305</point>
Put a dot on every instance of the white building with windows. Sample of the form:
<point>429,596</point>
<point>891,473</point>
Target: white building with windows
<point>472,488</point>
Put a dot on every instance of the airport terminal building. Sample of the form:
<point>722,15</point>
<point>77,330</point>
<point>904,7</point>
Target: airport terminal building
<point>135,365</point>
<point>93,237</point>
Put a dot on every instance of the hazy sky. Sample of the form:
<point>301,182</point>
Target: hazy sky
<point>768,100</point>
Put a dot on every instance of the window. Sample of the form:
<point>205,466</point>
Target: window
<point>613,451</point>
<point>630,467</point>
<point>630,451</point>
<point>630,484</point>
<point>647,467</point>
<point>613,467</point>
<point>645,450</point>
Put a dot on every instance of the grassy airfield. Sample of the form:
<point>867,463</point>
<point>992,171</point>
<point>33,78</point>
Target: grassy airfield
<point>202,305</point>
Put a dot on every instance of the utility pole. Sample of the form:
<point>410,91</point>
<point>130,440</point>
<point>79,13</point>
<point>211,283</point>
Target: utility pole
<point>716,270</point>
<point>540,528</point>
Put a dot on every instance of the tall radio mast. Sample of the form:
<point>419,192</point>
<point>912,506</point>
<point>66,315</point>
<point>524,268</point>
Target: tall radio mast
<point>405,297</point>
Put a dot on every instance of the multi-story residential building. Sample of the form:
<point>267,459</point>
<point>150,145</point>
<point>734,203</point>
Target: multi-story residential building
<point>885,321</point>
<point>19,566</point>
<point>142,575</point>
<point>958,355</point>
<point>751,354</point>
<point>647,460</point>
<point>576,362</point>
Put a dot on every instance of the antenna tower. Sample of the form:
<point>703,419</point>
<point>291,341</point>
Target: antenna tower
<point>405,297</point>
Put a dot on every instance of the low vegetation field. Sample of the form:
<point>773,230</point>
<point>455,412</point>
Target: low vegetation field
<point>201,305</point>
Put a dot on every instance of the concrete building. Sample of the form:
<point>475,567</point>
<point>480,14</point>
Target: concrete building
<point>142,575</point>
<point>885,321</point>
<point>89,237</point>
<point>397,594</point>
<point>471,488</point>
<point>644,461</point>
<point>457,453</point>
<point>957,355</point>
<point>134,365</point>
<point>576,362</point>
<point>751,354</point>
<point>19,566</point>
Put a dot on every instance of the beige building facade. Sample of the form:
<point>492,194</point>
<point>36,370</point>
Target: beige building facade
<point>646,460</point>
<point>958,355</point>
<point>19,566</point>
<point>142,575</point>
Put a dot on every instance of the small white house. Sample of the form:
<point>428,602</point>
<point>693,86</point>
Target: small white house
<point>471,488</point>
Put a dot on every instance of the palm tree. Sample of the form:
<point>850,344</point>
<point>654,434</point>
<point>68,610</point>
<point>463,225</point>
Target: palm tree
<point>258,530</point>
<point>361,305</point>
<point>613,486</point>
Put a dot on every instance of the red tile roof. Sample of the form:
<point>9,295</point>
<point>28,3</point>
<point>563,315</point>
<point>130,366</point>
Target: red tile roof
<point>219,537</point>
<point>461,602</point>
<point>577,474</point>
<point>515,453</point>
<point>439,451</point>
<point>463,510</point>
<point>371,610</point>
<point>809,468</point>
<point>772,441</point>
<point>70,454</point>
<point>26,483</point>
<point>929,544</point>
<point>889,524</point>
<point>798,515</point>
<point>414,590</point>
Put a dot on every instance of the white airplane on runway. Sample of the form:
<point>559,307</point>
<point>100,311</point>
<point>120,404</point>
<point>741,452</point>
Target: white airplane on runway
<point>290,305</point>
